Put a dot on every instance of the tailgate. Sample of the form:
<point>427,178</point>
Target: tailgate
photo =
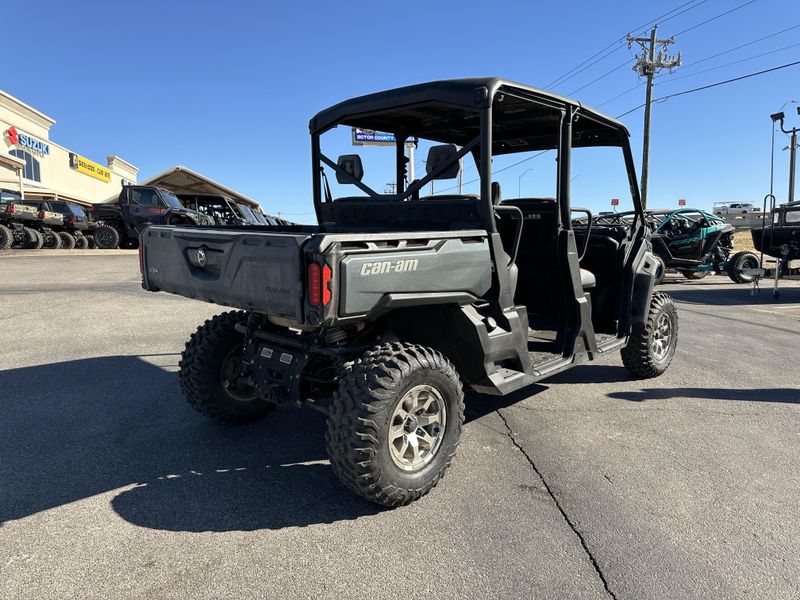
<point>252,270</point>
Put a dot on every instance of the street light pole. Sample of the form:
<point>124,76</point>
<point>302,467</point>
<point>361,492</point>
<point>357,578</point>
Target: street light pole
<point>779,116</point>
<point>519,182</point>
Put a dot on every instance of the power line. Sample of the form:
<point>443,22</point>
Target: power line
<point>740,46</point>
<point>661,18</point>
<point>735,62</point>
<point>706,59</point>
<point>711,85</point>
<point>603,76</point>
<point>727,12</point>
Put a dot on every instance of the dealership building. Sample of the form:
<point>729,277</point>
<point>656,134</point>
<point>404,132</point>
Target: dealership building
<point>34,166</point>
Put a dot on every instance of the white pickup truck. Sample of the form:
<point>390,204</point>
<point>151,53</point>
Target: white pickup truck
<point>722,209</point>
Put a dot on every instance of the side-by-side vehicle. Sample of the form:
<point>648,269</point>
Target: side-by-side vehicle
<point>379,315</point>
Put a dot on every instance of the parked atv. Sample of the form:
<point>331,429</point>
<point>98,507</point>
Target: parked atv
<point>18,223</point>
<point>118,225</point>
<point>379,315</point>
<point>692,242</point>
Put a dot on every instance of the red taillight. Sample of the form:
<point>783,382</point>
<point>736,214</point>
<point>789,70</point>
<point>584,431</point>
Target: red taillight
<point>314,285</point>
<point>41,215</point>
<point>72,219</point>
<point>10,208</point>
<point>326,278</point>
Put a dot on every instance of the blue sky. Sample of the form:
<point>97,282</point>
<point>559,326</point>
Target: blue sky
<point>227,88</point>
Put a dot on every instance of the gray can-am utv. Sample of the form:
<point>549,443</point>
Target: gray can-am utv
<point>379,315</point>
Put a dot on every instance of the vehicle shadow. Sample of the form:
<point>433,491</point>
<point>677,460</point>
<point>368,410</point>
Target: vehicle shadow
<point>76,429</point>
<point>771,395</point>
<point>715,295</point>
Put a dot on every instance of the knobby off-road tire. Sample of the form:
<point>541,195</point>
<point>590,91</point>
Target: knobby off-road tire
<point>106,237</point>
<point>67,240</point>
<point>395,423</point>
<point>689,274</point>
<point>650,349</point>
<point>661,269</point>
<point>208,368</point>
<point>53,241</point>
<point>6,238</point>
<point>81,243</point>
<point>33,239</point>
<point>740,261</point>
<point>90,242</point>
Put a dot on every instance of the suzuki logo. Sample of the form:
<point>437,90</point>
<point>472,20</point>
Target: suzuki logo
<point>201,257</point>
<point>13,136</point>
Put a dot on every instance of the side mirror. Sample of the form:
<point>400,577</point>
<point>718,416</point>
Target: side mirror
<point>439,156</point>
<point>350,164</point>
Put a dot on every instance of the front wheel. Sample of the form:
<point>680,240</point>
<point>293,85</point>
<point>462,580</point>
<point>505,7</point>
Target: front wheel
<point>650,348</point>
<point>661,270</point>
<point>210,372</point>
<point>395,423</point>
<point>6,237</point>
<point>106,237</point>
<point>81,243</point>
<point>740,261</point>
<point>53,240</point>
<point>67,240</point>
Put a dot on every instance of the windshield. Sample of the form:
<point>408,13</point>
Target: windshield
<point>171,199</point>
<point>78,211</point>
<point>248,214</point>
<point>6,196</point>
<point>261,218</point>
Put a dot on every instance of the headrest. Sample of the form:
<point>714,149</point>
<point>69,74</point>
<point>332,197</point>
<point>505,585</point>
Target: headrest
<point>351,164</point>
<point>439,156</point>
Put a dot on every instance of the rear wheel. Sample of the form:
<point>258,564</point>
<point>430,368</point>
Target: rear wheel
<point>395,423</point>
<point>6,238</point>
<point>689,274</point>
<point>90,242</point>
<point>67,240</point>
<point>738,262</point>
<point>81,242</point>
<point>650,348</point>
<point>106,237</point>
<point>210,369</point>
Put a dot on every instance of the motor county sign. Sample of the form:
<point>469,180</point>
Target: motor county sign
<point>16,138</point>
<point>370,137</point>
<point>88,167</point>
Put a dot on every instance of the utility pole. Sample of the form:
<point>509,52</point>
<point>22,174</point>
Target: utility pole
<point>792,148</point>
<point>648,63</point>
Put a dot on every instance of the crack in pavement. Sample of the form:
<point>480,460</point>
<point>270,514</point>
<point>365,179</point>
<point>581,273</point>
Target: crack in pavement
<point>584,545</point>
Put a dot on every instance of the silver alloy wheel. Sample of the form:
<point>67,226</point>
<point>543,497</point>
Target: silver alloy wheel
<point>662,336</point>
<point>417,427</point>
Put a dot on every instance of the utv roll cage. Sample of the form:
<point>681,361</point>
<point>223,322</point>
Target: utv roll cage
<point>483,117</point>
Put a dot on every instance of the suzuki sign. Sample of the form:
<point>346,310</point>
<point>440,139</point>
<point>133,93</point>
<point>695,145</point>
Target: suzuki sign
<point>16,138</point>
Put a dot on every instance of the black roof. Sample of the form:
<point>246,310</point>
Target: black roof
<point>525,118</point>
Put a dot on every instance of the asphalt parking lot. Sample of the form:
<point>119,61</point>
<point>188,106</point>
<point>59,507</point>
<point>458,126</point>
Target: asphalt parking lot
<point>591,485</point>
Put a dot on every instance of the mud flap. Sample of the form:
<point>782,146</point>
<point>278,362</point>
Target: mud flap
<point>641,272</point>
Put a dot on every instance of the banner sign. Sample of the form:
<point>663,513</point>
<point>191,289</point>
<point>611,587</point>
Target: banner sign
<point>370,137</point>
<point>88,167</point>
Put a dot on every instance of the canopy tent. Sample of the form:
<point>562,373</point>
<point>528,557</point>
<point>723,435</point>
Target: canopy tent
<point>182,180</point>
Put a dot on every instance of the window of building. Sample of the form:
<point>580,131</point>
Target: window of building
<point>31,170</point>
